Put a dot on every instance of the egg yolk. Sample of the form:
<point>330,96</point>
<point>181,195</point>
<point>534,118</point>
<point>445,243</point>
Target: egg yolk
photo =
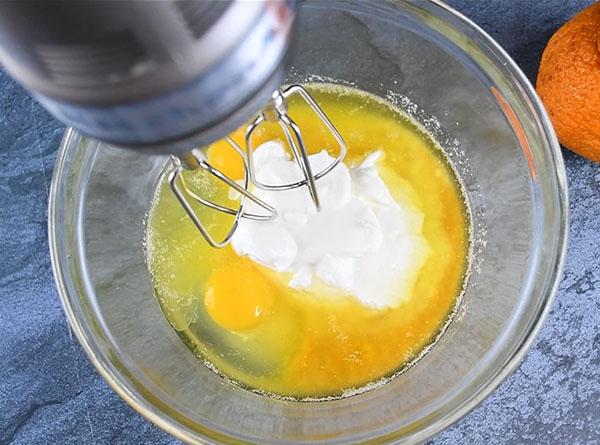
<point>223,157</point>
<point>239,297</point>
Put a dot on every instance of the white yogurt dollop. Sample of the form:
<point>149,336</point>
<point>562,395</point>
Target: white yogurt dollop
<point>362,242</point>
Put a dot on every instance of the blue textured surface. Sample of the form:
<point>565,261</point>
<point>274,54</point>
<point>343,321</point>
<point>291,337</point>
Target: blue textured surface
<point>49,393</point>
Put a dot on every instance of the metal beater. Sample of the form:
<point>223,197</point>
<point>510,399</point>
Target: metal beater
<point>275,112</point>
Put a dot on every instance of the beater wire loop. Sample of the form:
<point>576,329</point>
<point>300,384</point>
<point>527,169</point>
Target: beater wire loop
<point>274,112</point>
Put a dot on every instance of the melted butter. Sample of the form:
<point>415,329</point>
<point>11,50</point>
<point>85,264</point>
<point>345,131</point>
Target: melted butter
<point>246,322</point>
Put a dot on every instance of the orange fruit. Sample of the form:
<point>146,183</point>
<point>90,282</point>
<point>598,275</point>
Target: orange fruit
<point>569,82</point>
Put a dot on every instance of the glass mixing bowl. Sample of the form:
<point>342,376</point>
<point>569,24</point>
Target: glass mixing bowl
<point>454,80</point>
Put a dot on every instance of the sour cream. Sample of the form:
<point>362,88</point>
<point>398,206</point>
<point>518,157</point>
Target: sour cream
<point>362,244</point>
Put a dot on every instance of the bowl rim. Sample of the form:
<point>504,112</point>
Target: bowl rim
<point>172,426</point>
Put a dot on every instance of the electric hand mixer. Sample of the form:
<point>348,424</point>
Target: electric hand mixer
<point>166,77</point>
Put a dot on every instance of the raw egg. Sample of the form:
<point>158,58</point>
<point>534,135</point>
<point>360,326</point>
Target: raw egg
<point>238,296</point>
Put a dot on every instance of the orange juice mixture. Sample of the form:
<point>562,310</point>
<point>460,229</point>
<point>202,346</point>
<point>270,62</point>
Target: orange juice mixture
<point>245,322</point>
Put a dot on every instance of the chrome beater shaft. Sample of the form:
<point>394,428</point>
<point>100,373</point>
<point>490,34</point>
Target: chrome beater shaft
<point>276,112</point>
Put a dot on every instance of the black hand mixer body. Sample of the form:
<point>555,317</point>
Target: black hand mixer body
<point>158,76</point>
<point>167,77</point>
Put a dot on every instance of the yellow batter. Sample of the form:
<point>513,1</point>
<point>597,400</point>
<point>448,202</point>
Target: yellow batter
<point>245,322</point>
